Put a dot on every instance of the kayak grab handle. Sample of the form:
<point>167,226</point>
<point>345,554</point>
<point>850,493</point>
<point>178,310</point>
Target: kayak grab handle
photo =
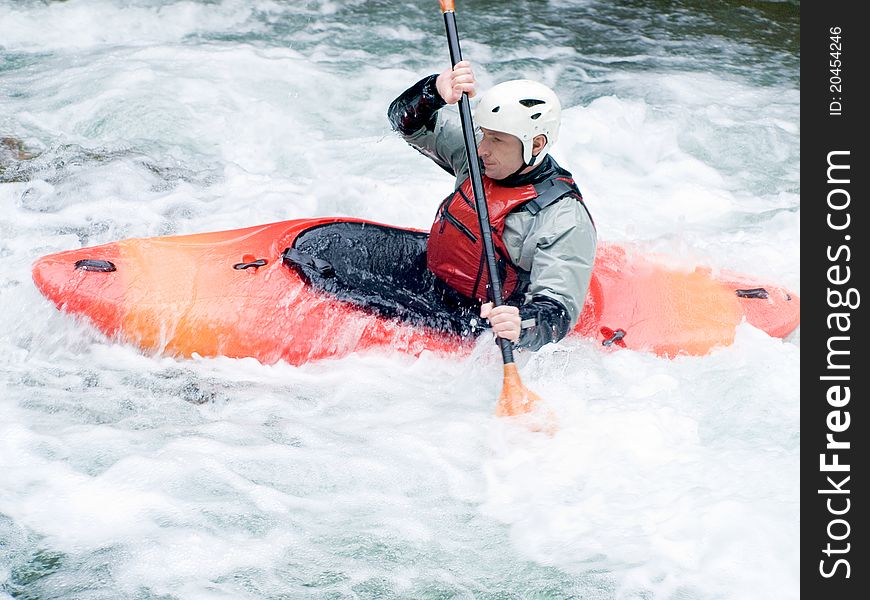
<point>98,266</point>
<point>262,262</point>
<point>613,337</point>
<point>753,293</point>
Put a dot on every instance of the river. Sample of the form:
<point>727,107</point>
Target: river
<point>380,476</point>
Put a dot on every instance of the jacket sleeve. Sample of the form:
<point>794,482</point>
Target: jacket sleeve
<point>418,117</point>
<point>544,320</point>
<point>416,107</point>
<point>562,261</point>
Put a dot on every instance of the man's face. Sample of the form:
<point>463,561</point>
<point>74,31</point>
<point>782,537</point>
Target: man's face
<point>501,153</point>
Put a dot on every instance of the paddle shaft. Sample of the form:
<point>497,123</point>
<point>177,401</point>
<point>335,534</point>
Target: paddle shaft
<point>507,352</point>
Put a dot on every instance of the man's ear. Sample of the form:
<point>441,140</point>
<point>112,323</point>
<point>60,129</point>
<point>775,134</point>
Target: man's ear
<point>538,143</point>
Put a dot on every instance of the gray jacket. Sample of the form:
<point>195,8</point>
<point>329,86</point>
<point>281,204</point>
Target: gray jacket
<point>556,245</point>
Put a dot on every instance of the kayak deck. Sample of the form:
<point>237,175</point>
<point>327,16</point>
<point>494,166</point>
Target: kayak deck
<point>244,293</point>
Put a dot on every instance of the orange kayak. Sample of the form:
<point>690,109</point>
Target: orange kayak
<point>232,293</point>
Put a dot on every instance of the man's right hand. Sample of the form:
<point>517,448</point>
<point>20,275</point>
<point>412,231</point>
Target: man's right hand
<point>452,82</point>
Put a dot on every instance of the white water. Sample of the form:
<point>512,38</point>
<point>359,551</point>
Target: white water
<point>387,476</point>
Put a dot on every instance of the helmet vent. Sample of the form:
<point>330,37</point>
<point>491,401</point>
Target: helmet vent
<point>496,109</point>
<point>535,116</point>
<point>530,102</point>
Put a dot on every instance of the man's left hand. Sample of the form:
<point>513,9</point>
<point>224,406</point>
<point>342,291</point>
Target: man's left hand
<point>505,320</point>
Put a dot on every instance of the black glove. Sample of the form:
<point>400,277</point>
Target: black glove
<point>416,107</point>
<point>547,320</point>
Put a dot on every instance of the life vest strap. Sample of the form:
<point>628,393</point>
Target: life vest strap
<point>548,191</point>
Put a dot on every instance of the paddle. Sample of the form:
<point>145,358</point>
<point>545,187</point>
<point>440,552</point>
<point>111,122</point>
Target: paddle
<point>515,398</point>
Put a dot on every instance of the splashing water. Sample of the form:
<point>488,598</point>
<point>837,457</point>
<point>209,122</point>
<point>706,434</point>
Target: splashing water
<point>386,476</point>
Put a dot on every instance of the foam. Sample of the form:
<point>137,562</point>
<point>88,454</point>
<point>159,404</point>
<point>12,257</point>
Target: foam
<point>377,473</point>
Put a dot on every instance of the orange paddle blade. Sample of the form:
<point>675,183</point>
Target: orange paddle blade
<point>447,6</point>
<point>516,399</point>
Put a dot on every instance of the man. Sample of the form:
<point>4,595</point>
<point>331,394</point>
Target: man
<point>543,233</point>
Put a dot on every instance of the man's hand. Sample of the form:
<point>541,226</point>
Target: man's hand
<point>504,319</point>
<point>452,82</point>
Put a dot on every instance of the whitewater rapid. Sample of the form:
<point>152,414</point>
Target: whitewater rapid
<point>125,475</point>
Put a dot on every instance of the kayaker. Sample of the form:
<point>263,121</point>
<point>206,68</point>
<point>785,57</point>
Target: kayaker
<point>542,230</point>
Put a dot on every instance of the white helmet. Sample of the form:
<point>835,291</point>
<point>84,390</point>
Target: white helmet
<point>522,108</point>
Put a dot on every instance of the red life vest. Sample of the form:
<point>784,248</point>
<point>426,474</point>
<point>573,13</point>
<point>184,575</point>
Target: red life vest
<point>455,251</point>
